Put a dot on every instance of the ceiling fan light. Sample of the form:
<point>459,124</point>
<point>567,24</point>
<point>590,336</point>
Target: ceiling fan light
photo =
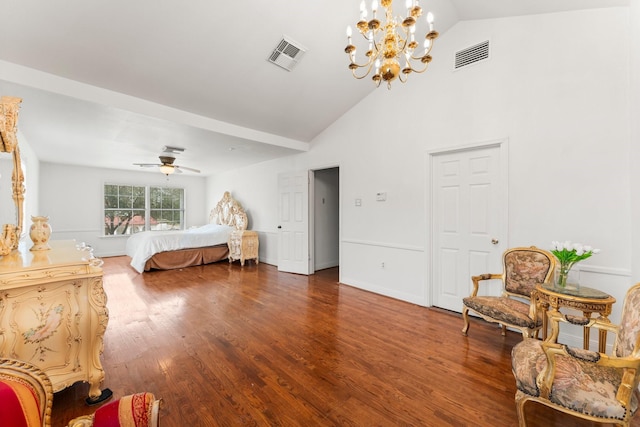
<point>167,169</point>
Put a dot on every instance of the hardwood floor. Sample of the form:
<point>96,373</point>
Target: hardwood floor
<point>229,346</point>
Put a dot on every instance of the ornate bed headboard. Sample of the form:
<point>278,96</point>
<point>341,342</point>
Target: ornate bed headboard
<point>229,212</point>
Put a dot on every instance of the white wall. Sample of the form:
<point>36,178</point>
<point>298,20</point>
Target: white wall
<point>557,86</point>
<point>72,197</point>
<point>31,169</point>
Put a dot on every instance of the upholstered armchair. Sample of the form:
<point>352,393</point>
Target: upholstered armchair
<point>26,395</point>
<point>587,384</point>
<point>26,398</point>
<point>134,410</point>
<point>523,269</point>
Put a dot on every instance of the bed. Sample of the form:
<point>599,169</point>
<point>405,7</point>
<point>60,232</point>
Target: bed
<point>165,250</point>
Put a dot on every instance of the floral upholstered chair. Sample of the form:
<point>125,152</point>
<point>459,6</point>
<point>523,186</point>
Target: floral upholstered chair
<point>26,398</point>
<point>523,269</point>
<point>587,384</point>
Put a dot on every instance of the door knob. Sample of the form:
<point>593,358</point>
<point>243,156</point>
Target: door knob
<point>494,241</point>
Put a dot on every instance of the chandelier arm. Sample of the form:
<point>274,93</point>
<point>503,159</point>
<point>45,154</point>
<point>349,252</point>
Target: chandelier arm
<point>428,51</point>
<point>375,49</point>
<point>366,64</point>
<point>372,39</point>
<point>419,71</point>
<point>418,58</point>
<point>370,65</point>
<point>405,40</point>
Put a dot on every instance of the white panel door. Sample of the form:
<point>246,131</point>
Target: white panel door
<point>293,226</point>
<point>468,221</point>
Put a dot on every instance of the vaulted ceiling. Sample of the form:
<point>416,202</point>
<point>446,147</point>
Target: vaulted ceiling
<point>107,84</point>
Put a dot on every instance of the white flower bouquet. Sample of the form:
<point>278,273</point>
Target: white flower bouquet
<point>568,254</point>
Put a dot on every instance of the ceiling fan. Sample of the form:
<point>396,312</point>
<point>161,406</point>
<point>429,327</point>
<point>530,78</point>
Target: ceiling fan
<point>166,165</point>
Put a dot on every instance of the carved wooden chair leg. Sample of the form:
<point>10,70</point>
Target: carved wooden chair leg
<point>465,318</point>
<point>521,399</point>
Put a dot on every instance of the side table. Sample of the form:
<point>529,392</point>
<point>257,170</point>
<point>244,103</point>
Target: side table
<point>243,245</point>
<point>583,299</point>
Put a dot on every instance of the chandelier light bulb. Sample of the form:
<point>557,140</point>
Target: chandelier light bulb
<point>430,20</point>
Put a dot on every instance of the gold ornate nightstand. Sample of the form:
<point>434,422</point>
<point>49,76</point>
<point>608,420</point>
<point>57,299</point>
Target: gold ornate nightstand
<point>243,245</point>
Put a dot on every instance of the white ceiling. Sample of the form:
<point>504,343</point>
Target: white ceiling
<point>109,83</point>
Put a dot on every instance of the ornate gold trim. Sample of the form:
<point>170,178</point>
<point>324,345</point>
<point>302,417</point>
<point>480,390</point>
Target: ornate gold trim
<point>9,107</point>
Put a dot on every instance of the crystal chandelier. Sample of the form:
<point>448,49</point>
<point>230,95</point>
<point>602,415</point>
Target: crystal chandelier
<point>391,41</point>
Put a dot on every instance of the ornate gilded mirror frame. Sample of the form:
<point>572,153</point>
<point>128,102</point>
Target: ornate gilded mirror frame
<point>9,107</point>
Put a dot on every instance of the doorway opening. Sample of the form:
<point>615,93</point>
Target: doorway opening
<point>325,219</point>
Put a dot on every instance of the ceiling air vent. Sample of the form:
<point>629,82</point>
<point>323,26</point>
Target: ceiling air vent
<point>287,54</point>
<point>471,55</point>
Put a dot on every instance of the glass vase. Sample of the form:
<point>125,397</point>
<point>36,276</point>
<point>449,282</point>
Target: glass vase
<point>566,277</point>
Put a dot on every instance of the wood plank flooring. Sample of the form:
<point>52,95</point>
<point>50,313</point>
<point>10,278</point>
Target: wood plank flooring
<point>224,345</point>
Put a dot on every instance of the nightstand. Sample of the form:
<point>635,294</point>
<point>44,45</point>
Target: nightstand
<point>243,245</point>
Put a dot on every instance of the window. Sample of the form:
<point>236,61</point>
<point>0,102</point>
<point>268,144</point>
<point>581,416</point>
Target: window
<point>129,209</point>
<point>167,208</point>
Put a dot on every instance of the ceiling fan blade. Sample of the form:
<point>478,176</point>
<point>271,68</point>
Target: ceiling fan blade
<point>146,165</point>
<point>186,168</point>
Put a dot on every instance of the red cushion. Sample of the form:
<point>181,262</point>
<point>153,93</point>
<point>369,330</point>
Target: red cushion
<point>130,411</point>
<point>19,406</point>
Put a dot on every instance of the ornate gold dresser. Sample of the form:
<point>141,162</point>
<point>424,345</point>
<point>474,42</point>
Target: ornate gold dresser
<point>243,245</point>
<point>53,313</point>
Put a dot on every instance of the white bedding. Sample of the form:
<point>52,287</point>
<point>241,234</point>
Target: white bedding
<point>142,246</point>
